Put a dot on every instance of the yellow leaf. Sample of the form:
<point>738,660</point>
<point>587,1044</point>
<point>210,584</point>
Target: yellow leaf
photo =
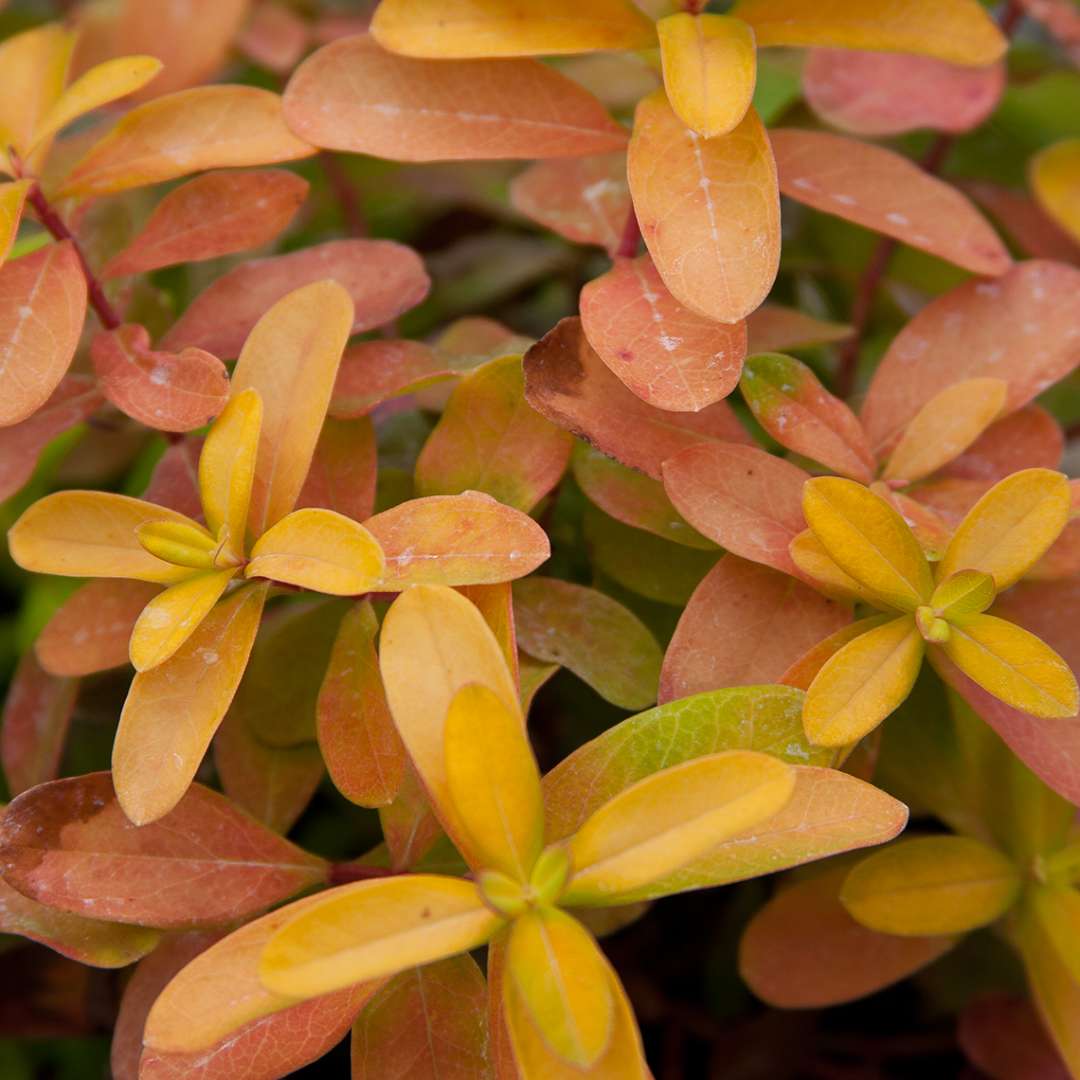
<point>710,69</point>
<point>432,629</point>
<point>173,616</point>
<point>933,885</point>
<point>945,427</point>
<point>183,543</point>
<point>1055,178</point>
<point>959,31</point>
<point>173,710</point>
<point>375,928</point>
<point>319,550</point>
<point>1012,664</point>
<point>861,684</point>
<point>92,534</point>
<point>493,781</point>
<point>1057,908</point>
<point>291,357</point>
<point>967,592</point>
<point>561,978</point>
<point>460,29</point>
<point>869,540</point>
<point>12,197</point>
<point>809,555</point>
<point>1007,531</point>
<point>670,818</point>
<point>227,466</point>
<point>106,82</point>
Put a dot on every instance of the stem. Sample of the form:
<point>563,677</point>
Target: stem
<point>352,213</point>
<point>631,237</point>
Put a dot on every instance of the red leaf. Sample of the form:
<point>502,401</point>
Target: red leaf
<point>775,328</point>
<point>1029,439</point>
<point>1003,1036</point>
<point>175,480</point>
<point>275,37</point>
<point>371,372</point>
<point>1028,225</point>
<point>342,473</point>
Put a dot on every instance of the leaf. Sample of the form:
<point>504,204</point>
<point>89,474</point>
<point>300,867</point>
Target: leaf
<point>343,468</point>
<point>173,710</point>
<point>790,403</point>
<point>467,539</point>
<point>1015,328</point>
<point>959,31</point>
<point>601,641</point>
<point>91,534</point>
<point>745,624</point>
<point>1010,527</point>
<point>999,1031</point>
<point>362,748</point>
<point>666,821</point>
<point>944,427</point>
<point>710,68</point>
<point>352,95</point>
<point>802,950</point>
<point>68,844</point>
<point>967,592</point>
<point>862,683</point>
<point>816,565</point>
<point>1055,174</point>
<point>382,278</point>
<point>276,37</point>
<point>431,1019</point>
<point>227,466</point>
<point>744,499</point>
<point>174,481</point>
<point>372,372</point>
<point>1033,231</point>
<point>884,191</point>
<point>774,328</point>
<point>870,93</point>
<point>489,439</point>
<point>804,670</point>
<point>932,885</point>
<point>42,308</point>
<point>568,383</point>
<point>709,209</point>
<point>12,197</point>
<point>215,214</point>
<point>408,824</point>
<point>167,391</point>
<point>374,928</point>
<point>166,138</point>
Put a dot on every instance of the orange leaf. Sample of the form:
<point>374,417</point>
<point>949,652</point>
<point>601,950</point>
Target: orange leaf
<point>1028,439</point>
<point>12,198</point>
<point>1055,179</point>
<point>352,95</point>
<point>803,672</point>
<point>342,472</point>
<point>774,328</point>
<point>1032,230</point>
<point>709,209</point>
<point>1003,1035</point>
<point>372,372</point>
<point>276,37</point>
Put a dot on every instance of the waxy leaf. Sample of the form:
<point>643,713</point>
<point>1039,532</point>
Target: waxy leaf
<point>166,138</point>
<point>343,469</point>
<point>372,372</point>
<point>598,639</point>
<point>967,592</point>
<point>12,197</point>
<point>932,885</point>
<point>709,209</point>
<point>804,670</point>
<point>382,278</point>
<point>68,844</point>
<point>42,308</point>
<point>212,215</point>
<point>227,468</point>
<point>774,328</point>
<point>884,191</point>
<point>568,382</point>
<point>352,95</point>
<point>668,355</point>
<point>1055,177</point>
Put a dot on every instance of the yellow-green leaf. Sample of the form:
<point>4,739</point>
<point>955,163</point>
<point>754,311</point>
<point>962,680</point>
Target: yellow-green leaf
<point>12,197</point>
<point>670,818</point>
<point>1057,908</point>
<point>227,466</point>
<point>861,684</point>
<point>1055,178</point>
<point>710,69</point>
<point>562,981</point>
<point>967,592</point>
<point>932,885</point>
<point>1007,531</point>
<point>809,555</point>
<point>183,543</point>
<point>869,540</point>
<point>1012,664</point>
<point>375,928</point>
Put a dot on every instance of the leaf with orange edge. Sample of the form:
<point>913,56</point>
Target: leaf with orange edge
<point>789,402</point>
<point>1000,1031</point>
<point>173,710</point>
<point>166,138</point>
<point>496,603</point>
<point>884,191</point>
<point>68,844</point>
<point>42,308</point>
<point>467,539</point>
<point>568,382</point>
<point>408,824</point>
<point>383,279</point>
<point>1028,439</point>
<point>12,197</point>
<point>745,624</point>
<point>167,391</point>
<point>213,215</point>
<point>343,467</point>
<point>1055,179</point>
<point>489,439</point>
<point>363,751</point>
<point>1062,558</point>
<point>959,31</point>
<point>372,372</point>
<point>1016,328</point>
<point>870,93</point>
<point>352,95</point>
<point>709,209</point>
<point>931,529</point>
<point>746,500</point>
<point>1029,227</point>
<point>667,355</point>
<point>774,328</point>
<point>432,1019</point>
<point>816,566</point>
<point>598,639</point>
<point>584,199</point>
<point>802,950</point>
<point>804,670</point>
